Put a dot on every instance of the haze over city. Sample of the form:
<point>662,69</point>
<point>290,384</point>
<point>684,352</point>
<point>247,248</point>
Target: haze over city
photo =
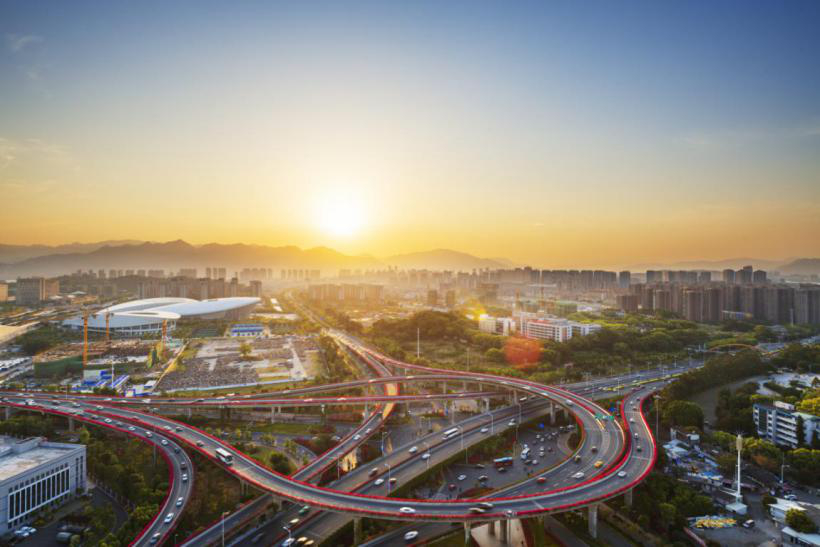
<point>544,134</point>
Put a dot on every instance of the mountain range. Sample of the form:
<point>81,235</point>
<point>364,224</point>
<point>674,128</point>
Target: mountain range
<point>24,260</point>
<point>172,255</point>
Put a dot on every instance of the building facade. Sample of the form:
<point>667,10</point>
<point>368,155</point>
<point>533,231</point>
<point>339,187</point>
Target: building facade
<point>36,474</point>
<point>779,423</point>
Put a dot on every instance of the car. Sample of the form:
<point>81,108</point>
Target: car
<point>107,420</point>
<point>293,522</point>
<point>200,444</point>
<point>510,513</point>
<point>414,449</point>
<point>790,497</point>
<point>578,475</point>
<point>98,407</point>
<point>379,481</point>
<point>169,517</point>
<point>164,442</point>
<point>149,434</point>
<point>479,466</point>
<point>638,447</point>
<point>486,505</point>
<point>534,462</point>
<point>477,510</point>
<point>155,538</point>
<point>178,429</point>
<point>462,477</point>
<point>407,510</point>
<point>304,510</point>
<point>451,486</point>
<point>425,456</point>
<point>599,464</point>
<point>392,480</point>
<point>511,423</point>
<point>185,477</point>
<point>632,420</point>
<point>569,403</point>
<point>411,535</point>
<point>483,478</point>
<point>357,437</point>
<point>594,449</point>
<point>183,465</point>
<point>621,474</point>
<point>485,429</point>
<point>374,471</point>
<point>749,524</point>
<point>541,480</point>
<point>132,428</point>
<point>368,430</point>
<point>176,450</point>
<point>180,501</point>
<point>637,436</point>
<point>288,542</point>
<point>167,428</point>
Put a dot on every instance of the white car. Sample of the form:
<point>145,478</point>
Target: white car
<point>169,517</point>
<point>622,474</point>
<point>357,437</point>
<point>108,420</point>
<point>132,428</point>
<point>407,510</point>
<point>511,423</point>
<point>425,456</point>
<point>462,477</point>
<point>149,434</point>
<point>578,475</point>
<point>484,430</point>
<point>414,450</point>
<point>98,407</point>
<point>379,481</point>
<point>180,501</point>
<point>288,542</point>
<point>411,535</point>
<point>569,403</point>
<point>164,442</point>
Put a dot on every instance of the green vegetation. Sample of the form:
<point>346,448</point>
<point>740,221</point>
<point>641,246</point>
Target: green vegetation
<point>718,370</point>
<point>662,504</point>
<point>798,357</point>
<point>799,521</point>
<point>683,414</point>
<point>43,338</point>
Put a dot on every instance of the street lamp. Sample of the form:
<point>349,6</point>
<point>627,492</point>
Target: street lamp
<point>224,514</point>
<point>388,476</point>
<point>490,414</point>
<point>425,443</point>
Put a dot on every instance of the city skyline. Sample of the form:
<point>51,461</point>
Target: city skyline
<point>543,134</point>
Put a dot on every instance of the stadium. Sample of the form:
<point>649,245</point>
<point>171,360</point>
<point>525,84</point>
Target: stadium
<point>146,316</point>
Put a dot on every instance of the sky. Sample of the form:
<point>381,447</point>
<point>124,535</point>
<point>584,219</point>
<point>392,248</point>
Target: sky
<point>555,134</point>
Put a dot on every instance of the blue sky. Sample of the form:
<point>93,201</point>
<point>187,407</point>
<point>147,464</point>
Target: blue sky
<point>573,117</point>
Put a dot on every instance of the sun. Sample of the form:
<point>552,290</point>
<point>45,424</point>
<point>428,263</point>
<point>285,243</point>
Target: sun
<point>340,213</point>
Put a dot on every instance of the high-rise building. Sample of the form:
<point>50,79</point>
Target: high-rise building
<point>624,279</point>
<point>759,277</point>
<point>30,291</point>
<point>653,276</point>
<point>4,292</point>
<point>432,297</point>
<point>628,302</point>
<point>728,275</point>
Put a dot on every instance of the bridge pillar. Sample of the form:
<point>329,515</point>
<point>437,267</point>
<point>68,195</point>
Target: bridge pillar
<point>487,404</point>
<point>467,535</point>
<point>464,386</point>
<point>628,498</point>
<point>592,520</point>
<point>8,412</point>
<point>444,387</point>
<point>71,424</point>
<point>188,411</point>
<point>504,532</point>
<point>357,531</point>
<point>452,412</point>
<point>552,414</point>
<point>272,414</point>
<point>491,528</point>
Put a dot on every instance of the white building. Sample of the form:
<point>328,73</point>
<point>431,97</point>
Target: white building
<point>778,423</point>
<point>146,316</point>
<point>559,330</point>
<point>35,475</point>
<point>497,325</point>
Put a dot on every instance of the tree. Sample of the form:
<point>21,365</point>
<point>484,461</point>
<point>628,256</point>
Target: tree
<point>799,521</point>
<point>245,350</point>
<point>683,413</point>
<point>280,463</point>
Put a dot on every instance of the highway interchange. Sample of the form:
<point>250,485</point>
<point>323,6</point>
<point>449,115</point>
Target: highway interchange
<point>614,444</point>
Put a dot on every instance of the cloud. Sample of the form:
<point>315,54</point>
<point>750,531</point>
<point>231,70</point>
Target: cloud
<point>19,42</point>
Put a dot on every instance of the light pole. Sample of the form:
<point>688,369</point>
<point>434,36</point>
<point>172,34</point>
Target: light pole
<point>425,443</point>
<point>490,414</point>
<point>783,466</point>
<point>388,476</point>
<point>224,514</point>
<point>657,412</point>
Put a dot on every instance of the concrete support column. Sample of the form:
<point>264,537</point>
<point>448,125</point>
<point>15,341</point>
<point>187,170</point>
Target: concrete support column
<point>592,520</point>
<point>467,536</point>
<point>8,412</point>
<point>188,411</point>
<point>358,536</point>
<point>444,387</point>
<point>504,535</point>
<point>486,405</point>
<point>628,498</point>
<point>272,414</point>
<point>491,528</point>
<point>464,386</point>
<point>71,424</point>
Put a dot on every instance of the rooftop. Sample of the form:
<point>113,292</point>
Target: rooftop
<point>20,455</point>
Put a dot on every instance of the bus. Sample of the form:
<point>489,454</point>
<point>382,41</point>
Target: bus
<point>225,456</point>
<point>503,462</point>
<point>450,433</point>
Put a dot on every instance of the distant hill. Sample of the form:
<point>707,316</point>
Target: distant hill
<point>443,259</point>
<point>16,253</point>
<point>173,255</point>
<point>802,266</point>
